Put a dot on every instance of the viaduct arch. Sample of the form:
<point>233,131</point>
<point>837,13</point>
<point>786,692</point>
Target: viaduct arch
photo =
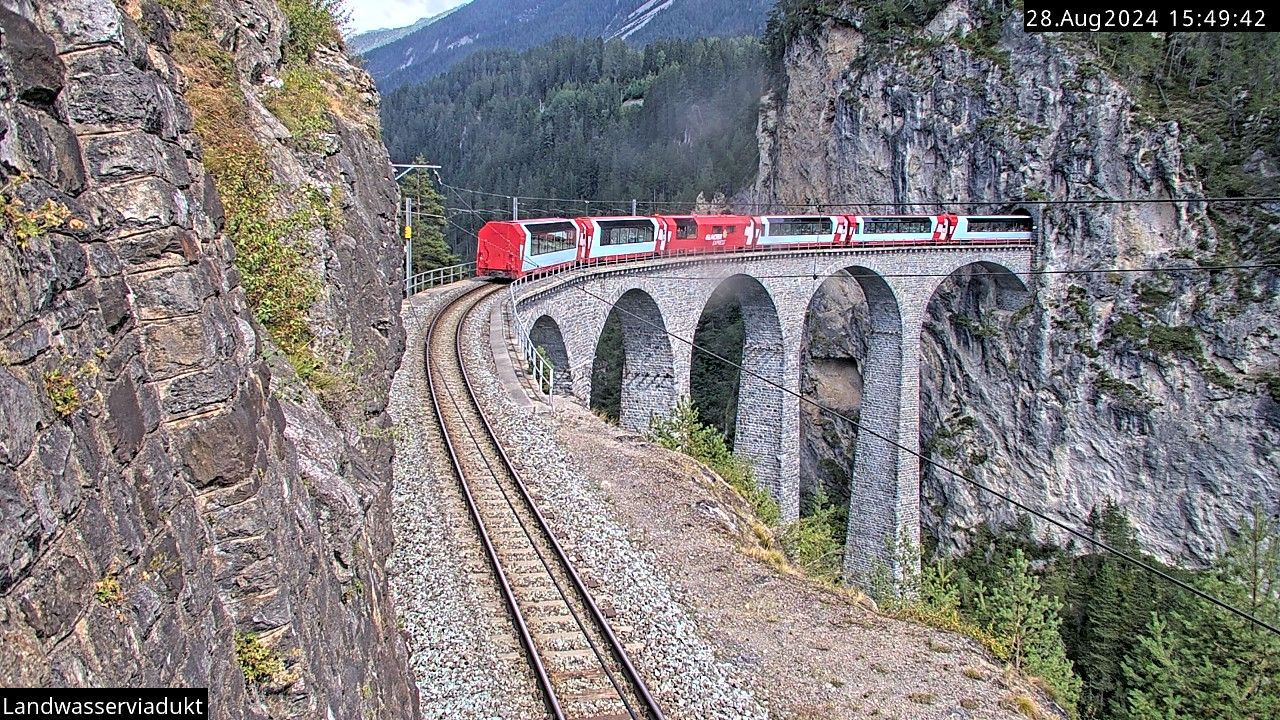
<point>661,301</point>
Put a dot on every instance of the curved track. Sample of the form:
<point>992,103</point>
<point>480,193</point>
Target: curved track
<point>581,668</point>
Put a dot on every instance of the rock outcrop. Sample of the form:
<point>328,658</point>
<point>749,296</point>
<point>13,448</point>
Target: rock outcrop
<point>178,504</point>
<point>1156,389</point>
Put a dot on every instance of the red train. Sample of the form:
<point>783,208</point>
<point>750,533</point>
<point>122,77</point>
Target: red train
<point>513,249</point>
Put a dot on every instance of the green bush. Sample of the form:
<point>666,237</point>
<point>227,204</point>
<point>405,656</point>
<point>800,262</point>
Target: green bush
<point>1153,298</point>
<point>62,392</point>
<point>1271,381</point>
<point>815,542</point>
<point>1179,340</point>
<point>683,431</point>
<point>107,591</point>
<point>312,23</point>
<point>1127,326</point>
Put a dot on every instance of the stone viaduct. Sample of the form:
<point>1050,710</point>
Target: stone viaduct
<point>660,302</point>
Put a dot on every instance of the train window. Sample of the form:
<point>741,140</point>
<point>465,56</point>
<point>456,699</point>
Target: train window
<point>626,232</point>
<point>896,225</point>
<point>718,230</point>
<point>999,225</point>
<point>552,237</point>
<point>686,229</point>
<point>799,226</point>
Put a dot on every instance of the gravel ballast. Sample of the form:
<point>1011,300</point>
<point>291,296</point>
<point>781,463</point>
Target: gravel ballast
<point>462,648</point>
<point>680,669</point>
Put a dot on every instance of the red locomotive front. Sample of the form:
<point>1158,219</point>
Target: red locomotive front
<point>499,246</point>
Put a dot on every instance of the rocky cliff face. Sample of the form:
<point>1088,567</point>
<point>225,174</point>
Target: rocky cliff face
<point>185,497</point>
<point>1156,389</point>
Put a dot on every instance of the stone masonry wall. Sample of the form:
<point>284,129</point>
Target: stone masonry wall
<point>167,484</point>
<point>898,285</point>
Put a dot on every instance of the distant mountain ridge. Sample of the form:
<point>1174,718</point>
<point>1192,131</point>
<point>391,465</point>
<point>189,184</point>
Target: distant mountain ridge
<point>429,47</point>
<point>361,43</point>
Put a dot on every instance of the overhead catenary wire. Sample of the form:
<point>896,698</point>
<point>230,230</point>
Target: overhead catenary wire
<point>891,204</point>
<point>933,463</point>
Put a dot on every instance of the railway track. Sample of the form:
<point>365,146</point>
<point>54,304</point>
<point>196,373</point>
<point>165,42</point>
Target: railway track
<point>580,666</point>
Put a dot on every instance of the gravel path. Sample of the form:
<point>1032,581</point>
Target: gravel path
<point>463,650</point>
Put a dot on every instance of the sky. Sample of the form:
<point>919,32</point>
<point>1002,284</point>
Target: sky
<point>374,14</point>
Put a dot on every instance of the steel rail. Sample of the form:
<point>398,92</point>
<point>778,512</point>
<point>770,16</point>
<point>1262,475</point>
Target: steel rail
<point>615,648</point>
<point>508,593</point>
<point>602,623</point>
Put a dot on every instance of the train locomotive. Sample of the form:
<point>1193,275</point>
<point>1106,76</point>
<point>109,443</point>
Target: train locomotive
<point>516,248</point>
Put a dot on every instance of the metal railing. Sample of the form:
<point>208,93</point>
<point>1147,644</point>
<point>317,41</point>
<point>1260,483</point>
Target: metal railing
<point>541,369</point>
<point>439,276</point>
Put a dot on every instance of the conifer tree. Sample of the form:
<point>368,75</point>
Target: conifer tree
<point>1155,679</point>
<point>430,250</point>
<point>1201,661</point>
<point>1027,624</point>
<point>1110,602</point>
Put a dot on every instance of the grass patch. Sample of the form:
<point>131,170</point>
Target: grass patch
<point>107,591</point>
<point>271,246</point>
<point>259,663</point>
<point>23,224</point>
<point>302,105</point>
<point>1026,706</point>
<point>769,556</point>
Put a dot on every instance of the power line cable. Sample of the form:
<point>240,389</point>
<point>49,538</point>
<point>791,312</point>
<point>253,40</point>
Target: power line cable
<point>1003,496</point>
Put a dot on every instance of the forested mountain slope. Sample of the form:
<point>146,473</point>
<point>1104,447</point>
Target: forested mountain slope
<point>587,119</point>
<point>520,24</point>
<point>364,42</point>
